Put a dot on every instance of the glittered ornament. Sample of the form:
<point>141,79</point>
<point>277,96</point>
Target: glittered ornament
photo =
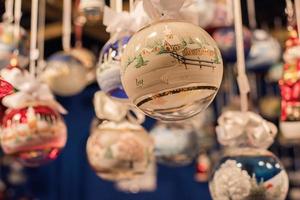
<point>34,134</point>
<point>265,50</point>
<point>108,72</point>
<point>171,70</point>
<point>65,74</point>
<point>247,170</point>
<point>176,144</point>
<point>225,39</point>
<point>9,44</point>
<point>91,9</point>
<point>119,150</point>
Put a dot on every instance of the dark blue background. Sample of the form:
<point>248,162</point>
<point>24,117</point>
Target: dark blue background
<point>71,178</point>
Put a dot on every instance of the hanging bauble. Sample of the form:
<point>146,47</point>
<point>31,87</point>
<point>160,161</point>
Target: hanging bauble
<point>9,44</point>
<point>119,150</point>
<point>5,88</point>
<point>175,144</point>
<point>108,72</point>
<point>275,72</point>
<point>247,170</point>
<point>65,74</point>
<point>265,50</point>
<point>245,174</point>
<point>290,89</point>
<point>225,39</point>
<point>91,9</point>
<point>171,70</point>
<point>34,134</point>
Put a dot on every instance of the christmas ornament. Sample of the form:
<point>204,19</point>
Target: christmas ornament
<point>203,168</point>
<point>166,74</point>
<point>289,86</point>
<point>226,41</point>
<point>247,170</point>
<point>65,74</point>
<point>121,25</point>
<point>176,144</point>
<point>9,44</point>
<point>265,50</point>
<point>91,9</point>
<point>32,129</point>
<point>119,150</point>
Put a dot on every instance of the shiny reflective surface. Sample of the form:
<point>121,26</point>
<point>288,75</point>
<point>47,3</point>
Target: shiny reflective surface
<point>171,70</point>
<point>34,135</point>
<point>247,173</point>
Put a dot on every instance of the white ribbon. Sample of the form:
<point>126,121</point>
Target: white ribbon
<point>124,23</point>
<point>29,90</point>
<point>248,129</point>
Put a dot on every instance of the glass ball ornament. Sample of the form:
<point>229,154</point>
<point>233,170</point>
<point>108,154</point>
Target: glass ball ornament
<point>171,70</point>
<point>225,39</point>
<point>65,74</point>
<point>9,44</point>
<point>108,71</point>
<point>34,134</point>
<point>91,9</point>
<point>265,50</point>
<point>175,144</point>
<point>119,150</point>
<point>249,173</point>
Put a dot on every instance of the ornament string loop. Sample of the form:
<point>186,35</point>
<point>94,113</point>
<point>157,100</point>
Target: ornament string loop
<point>67,25</point>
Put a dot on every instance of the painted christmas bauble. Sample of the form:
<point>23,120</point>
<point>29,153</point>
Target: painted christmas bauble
<point>248,173</point>
<point>171,70</point>
<point>225,39</point>
<point>175,144</point>
<point>119,151</point>
<point>108,72</point>
<point>5,88</point>
<point>91,9</point>
<point>9,44</point>
<point>65,74</point>
<point>34,135</point>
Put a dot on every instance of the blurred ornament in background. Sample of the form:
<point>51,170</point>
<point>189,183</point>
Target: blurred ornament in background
<point>120,150</point>
<point>265,50</point>
<point>203,167</point>
<point>33,130</point>
<point>275,72</point>
<point>175,144</point>
<point>34,134</point>
<point>247,170</point>
<point>290,89</point>
<point>91,9</point>
<point>9,45</point>
<point>225,39</point>
<point>65,74</point>
<point>108,72</point>
<point>171,70</point>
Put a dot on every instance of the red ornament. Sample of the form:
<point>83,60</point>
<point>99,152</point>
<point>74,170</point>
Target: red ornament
<point>35,135</point>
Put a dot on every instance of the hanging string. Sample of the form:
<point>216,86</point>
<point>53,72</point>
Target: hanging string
<point>297,8</point>
<point>67,25</point>
<point>34,53</point>
<point>8,14</point>
<point>79,23</point>
<point>131,5</point>
<point>41,35</point>
<point>242,79</point>
<point>251,14</point>
<point>17,29</point>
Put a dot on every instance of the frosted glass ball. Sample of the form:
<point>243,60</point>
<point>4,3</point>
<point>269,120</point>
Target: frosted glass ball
<point>246,173</point>
<point>65,74</point>
<point>265,50</point>
<point>108,71</point>
<point>175,144</point>
<point>225,39</point>
<point>171,70</point>
<point>119,151</point>
<point>34,135</point>
<point>8,44</point>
